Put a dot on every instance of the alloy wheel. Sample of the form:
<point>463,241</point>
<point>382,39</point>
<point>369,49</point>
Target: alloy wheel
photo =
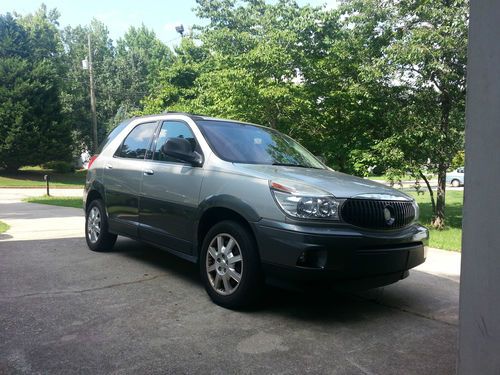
<point>94,225</point>
<point>224,264</point>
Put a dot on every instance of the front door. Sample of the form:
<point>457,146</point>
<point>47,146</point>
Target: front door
<point>170,193</point>
<point>123,177</point>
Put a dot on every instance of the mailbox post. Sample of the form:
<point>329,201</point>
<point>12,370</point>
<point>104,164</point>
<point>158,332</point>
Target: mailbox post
<point>47,180</point>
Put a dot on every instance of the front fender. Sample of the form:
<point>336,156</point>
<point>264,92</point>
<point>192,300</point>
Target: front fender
<point>230,202</point>
<point>226,201</point>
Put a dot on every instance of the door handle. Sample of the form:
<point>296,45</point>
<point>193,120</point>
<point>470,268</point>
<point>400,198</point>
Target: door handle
<point>108,166</point>
<point>149,172</point>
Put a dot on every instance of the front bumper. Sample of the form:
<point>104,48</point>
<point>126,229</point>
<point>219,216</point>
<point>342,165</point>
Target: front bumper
<point>341,254</point>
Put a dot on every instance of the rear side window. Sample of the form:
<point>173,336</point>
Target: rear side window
<point>138,141</point>
<point>172,129</point>
<point>112,135</point>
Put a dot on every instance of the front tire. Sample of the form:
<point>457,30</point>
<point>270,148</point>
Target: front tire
<point>230,265</point>
<point>455,183</point>
<point>96,228</point>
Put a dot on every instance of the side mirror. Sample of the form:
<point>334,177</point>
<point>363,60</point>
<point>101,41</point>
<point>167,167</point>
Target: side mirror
<point>181,148</point>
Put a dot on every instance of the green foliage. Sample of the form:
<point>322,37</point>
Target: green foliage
<point>59,166</point>
<point>175,87</point>
<point>458,160</point>
<point>427,57</point>
<point>3,227</point>
<point>298,69</point>
<point>140,57</point>
<point>32,129</point>
<point>76,90</point>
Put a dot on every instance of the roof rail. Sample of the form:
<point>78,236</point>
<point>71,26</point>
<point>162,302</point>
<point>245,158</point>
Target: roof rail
<point>192,115</point>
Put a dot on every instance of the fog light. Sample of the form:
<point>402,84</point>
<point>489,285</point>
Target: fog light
<point>312,259</point>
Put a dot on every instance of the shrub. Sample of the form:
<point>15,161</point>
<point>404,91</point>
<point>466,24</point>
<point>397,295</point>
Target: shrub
<point>59,166</point>
<point>458,160</point>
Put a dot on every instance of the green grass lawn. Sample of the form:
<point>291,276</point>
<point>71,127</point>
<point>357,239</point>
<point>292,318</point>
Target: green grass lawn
<point>75,202</point>
<point>451,237</point>
<point>33,177</point>
<point>403,178</point>
<point>3,227</point>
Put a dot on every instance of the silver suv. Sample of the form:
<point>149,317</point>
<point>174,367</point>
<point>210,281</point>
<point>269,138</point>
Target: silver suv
<point>249,205</point>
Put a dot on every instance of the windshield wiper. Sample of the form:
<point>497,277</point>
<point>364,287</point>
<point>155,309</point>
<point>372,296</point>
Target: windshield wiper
<point>294,165</point>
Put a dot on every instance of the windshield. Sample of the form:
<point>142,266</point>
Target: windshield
<point>243,143</point>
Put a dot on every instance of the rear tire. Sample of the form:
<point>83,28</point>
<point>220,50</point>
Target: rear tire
<point>455,183</point>
<point>230,265</point>
<point>96,227</point>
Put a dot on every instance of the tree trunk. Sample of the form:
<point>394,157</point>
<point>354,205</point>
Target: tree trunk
<point>439,213</point>
<point>431,193</point>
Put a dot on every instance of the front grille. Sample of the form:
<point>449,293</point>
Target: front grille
<point>377,214</point>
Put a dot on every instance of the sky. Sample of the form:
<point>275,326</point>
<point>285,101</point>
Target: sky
<point>118,15</point>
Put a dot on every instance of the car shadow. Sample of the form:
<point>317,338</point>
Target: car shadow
<point>157,257</point>
<point>421,294</point>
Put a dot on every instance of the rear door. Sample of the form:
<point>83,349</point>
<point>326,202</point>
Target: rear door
<point>123,177</point>
<point>170,192</point>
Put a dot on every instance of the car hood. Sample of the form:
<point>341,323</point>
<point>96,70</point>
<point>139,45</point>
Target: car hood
<point>339,184</point>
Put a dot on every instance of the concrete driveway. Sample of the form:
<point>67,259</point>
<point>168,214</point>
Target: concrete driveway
<point>139,310</point>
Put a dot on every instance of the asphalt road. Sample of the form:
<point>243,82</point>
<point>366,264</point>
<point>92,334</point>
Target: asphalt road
<point>139,310</point>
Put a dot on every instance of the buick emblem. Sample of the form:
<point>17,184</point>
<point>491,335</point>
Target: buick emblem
<point>389,215</point>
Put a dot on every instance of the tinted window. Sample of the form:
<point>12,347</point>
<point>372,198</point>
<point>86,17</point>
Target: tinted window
<point>244,143</point>
<point>138,141</point>
<point>172,129</point>
<point>112,135</point>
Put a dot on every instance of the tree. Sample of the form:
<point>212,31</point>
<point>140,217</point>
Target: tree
<point>244,64</point>
<point>76,90</point>
<point>427,58</point>
<point>139,59</point>
<point>175,87</point>
<point>348,92</point>
<point>31,128</point>
<point>254,70</point>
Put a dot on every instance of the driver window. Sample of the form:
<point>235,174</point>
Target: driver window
<point>172,129</point>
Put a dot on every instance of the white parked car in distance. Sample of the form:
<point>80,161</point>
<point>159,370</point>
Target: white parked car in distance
<point>456,178</point>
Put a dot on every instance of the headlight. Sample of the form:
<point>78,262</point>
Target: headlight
<point>304,202</point>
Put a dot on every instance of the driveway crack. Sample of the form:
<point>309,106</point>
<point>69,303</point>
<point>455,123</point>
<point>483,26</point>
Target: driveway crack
<point>78,291</point>
<point>408,311</point>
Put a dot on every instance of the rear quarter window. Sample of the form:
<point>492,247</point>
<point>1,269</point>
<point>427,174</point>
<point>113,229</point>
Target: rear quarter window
<point>112,135</point>
<point>138,141</point>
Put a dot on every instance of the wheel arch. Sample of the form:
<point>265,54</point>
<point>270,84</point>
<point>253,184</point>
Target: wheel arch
<point>220,208</point>
<point>95,191</point>
<point>92,196</point>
